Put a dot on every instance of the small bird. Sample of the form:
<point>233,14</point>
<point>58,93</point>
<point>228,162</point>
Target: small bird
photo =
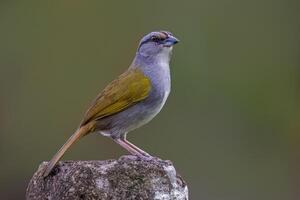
<point>131,100</point>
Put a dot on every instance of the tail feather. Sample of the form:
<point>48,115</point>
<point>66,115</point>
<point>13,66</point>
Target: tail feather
<point>75,137</point>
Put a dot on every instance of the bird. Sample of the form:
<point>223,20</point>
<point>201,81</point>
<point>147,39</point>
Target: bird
<point>131,100</point>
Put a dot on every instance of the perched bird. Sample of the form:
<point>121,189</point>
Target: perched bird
<point>131,100</point>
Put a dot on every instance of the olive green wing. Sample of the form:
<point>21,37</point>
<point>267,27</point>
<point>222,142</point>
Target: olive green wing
<point>128,89</point>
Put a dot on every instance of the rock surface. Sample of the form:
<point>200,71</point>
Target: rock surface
<point>126,178</point>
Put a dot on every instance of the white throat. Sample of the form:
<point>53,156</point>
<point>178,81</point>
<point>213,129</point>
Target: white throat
<point>163,58</point>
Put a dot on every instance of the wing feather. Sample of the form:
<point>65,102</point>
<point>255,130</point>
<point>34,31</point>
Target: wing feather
<point>128,89</point>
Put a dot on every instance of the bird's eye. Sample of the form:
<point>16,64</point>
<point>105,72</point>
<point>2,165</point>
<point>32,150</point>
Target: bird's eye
<point>155,38</point>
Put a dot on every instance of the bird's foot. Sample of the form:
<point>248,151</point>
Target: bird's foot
<point>145,157</point>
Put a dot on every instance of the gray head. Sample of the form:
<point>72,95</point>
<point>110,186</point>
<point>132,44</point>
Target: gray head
<point>156,44</point>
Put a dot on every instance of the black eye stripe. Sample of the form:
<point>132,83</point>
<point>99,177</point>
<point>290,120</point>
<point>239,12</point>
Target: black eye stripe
<point>155,38</point>
<point>145,42</point>
<point>150,39</point>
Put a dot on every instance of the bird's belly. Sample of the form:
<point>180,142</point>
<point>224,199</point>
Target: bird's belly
<point>133,117</point>
<point>151,112</point>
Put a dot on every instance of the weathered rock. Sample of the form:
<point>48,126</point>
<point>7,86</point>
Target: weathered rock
<point>126,178</point>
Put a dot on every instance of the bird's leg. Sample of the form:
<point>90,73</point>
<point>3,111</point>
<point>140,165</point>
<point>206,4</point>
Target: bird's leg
<point>141,152</point>
<point>126,146</point>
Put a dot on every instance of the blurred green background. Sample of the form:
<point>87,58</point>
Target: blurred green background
<point>230,125</point>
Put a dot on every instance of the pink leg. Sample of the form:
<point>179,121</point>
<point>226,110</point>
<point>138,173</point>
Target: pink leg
<point>141,152</point>
<point>134,150</point>
<point>127,147</point>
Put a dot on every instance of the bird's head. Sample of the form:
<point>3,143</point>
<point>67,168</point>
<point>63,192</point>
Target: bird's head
<point>158,43</point>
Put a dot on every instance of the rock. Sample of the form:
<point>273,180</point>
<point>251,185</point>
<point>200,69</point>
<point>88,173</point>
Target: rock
<point>127,178</point>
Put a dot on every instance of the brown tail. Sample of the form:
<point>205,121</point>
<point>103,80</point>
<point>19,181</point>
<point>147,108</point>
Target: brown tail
<point>77,135</point>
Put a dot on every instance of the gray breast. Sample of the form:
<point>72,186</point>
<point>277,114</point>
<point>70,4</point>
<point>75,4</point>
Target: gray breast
<point>161,85</point>
<point>145,110</point>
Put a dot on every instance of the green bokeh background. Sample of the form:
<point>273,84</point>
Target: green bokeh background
<point>230,125</point>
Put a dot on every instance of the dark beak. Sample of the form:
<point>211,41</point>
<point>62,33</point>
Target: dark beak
<point>170,41</point>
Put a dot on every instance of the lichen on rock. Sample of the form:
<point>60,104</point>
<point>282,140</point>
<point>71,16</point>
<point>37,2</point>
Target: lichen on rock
<point>127,178</point>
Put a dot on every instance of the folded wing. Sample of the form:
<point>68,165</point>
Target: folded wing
<point>128,89</point>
